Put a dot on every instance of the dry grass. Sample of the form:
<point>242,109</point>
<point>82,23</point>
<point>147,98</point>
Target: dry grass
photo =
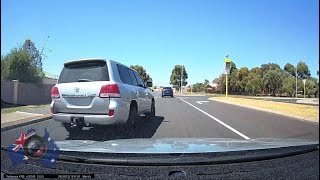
<point>305,112</point>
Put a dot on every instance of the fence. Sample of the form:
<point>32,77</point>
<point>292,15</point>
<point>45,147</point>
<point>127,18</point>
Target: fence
<point>15,92</point>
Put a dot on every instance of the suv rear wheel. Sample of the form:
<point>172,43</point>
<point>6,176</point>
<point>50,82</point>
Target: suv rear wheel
<point>152,112</point>
<point>133,116</point>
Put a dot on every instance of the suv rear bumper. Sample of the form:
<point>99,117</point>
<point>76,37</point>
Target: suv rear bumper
<point>167,93</point>
<point>121,114</point>
<point>88,118</point>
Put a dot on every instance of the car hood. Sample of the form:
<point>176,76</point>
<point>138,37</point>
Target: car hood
<point>178,145</point>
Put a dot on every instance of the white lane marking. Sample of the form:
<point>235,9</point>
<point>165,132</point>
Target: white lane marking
<point>29,113</point>
<point>201,102</point>
<point>219,121</point>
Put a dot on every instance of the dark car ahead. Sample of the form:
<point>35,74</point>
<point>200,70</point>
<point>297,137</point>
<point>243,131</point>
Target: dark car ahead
<point>167,91</point>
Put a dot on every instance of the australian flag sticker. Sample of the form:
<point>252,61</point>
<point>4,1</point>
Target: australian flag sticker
<point>30,145</point>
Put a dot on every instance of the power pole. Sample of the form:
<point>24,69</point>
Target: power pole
<point>296,81</point>
<point>44,46</point>
<point>181,78</point>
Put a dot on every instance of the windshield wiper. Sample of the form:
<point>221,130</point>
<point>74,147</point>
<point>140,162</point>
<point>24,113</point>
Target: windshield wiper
<point>85,80</point>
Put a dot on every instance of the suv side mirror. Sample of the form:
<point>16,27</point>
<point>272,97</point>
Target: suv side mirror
<point>149,84</point>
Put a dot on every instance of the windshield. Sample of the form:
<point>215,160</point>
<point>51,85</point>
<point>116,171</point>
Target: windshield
<point>158,76</point>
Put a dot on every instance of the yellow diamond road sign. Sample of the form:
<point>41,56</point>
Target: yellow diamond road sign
<point>227,60</point>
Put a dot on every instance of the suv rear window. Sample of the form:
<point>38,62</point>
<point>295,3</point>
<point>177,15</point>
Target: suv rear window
<point>167,88</point>
<point>84,72</point>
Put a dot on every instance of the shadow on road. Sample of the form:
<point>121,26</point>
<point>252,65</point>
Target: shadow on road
<point>145,128</point>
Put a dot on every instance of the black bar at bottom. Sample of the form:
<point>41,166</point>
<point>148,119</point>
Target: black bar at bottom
<point>48,175</point>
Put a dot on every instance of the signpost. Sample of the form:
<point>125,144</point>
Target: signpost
<point>227,67</point>
<point>304,87</point>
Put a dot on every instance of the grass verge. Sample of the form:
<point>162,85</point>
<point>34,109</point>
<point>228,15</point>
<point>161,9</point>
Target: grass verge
<point>20,108</point>
<point>310,113</point>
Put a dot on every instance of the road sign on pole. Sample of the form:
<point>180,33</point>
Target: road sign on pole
<point>227,67</point>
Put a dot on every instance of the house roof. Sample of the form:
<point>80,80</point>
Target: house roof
<point>212,85</point>
<point>49,75</point>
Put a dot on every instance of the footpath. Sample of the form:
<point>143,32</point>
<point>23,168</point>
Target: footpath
<point>21,116</point>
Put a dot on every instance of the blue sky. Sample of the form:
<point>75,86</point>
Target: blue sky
<point>159,34</point>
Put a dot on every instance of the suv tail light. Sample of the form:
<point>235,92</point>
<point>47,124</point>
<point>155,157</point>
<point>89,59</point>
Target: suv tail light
<point>55,92</point>
<point>109,90</point>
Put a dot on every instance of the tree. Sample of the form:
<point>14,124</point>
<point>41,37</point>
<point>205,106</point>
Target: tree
<point>257,70</point>
<point>254,83</point>
<point>31,49</point>
<point>253,86</point>
<point>206,82</point>
<point>290,69</point>
<point>142,72</point>
<point>311,87</point>
<point>175,77</point>
<point>241,76</point>
<point>198,87</point>
<point>289,86</point>
<point>233,67</point>
<point>19,65</point>
<point>303,70</point>
<point>270,66</point>
<point>232,81</point>
<point>269,79</point>
<point>221,81</point>
<point>3,67</point>
<point>215,80</point>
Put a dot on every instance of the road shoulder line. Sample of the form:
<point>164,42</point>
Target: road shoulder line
<point>219,121</point>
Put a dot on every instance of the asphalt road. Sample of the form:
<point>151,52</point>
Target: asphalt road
<point>186,117</point>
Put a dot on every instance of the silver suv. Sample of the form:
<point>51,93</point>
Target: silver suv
<point>100,92</point>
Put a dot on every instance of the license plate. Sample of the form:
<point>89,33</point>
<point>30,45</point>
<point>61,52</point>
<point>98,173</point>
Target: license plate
<point>76,119</point>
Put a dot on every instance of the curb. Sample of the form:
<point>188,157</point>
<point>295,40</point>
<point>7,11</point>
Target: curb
<point>23,122</point>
